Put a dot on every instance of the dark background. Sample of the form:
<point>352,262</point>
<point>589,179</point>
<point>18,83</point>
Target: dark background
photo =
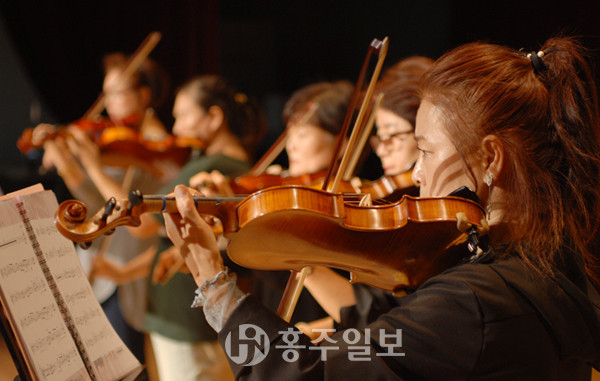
<point>51,51</point>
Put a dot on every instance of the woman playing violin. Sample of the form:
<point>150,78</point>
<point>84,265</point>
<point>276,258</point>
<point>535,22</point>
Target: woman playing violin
<point>89,178</point>
<point>394,143</point>
<point>129,102</point>
<point>231,124</point>
<point>522,131</point>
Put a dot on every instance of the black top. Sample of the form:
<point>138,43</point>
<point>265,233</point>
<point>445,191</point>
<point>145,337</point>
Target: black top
<point>492,321</point>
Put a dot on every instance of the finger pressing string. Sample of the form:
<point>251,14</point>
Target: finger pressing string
<point>184,200</point>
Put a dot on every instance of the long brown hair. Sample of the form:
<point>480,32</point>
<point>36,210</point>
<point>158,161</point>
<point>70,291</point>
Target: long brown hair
<point>547,121</point>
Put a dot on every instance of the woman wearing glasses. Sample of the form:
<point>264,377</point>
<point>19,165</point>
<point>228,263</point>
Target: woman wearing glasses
<point>394,143</point>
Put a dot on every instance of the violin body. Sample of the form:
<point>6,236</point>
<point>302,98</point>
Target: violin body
<point>121,144</point>
<point>247,184</point>
<point>251,183</point>
<point>126,140</point>
<point>392,247</point>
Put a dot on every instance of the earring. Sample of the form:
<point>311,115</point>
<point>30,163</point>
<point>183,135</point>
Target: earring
<point>488,179</point>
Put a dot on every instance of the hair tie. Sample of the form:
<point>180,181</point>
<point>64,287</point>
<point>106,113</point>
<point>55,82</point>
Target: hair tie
<point>241,98</point>
<point>537,62</point>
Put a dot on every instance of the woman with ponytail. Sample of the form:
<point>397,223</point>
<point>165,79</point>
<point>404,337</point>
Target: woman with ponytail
<point>231,125</point>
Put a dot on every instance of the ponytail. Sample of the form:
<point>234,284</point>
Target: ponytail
<point>242,113</point>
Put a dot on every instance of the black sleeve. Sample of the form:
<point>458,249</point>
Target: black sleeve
<point>411,341</point>
<point>370,304</point>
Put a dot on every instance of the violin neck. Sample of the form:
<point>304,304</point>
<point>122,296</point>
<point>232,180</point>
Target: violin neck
<point>224,208</point>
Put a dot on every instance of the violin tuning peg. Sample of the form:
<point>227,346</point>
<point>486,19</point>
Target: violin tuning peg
<point>85,245</point>
<point>135,198</point>
<point>109,207</point>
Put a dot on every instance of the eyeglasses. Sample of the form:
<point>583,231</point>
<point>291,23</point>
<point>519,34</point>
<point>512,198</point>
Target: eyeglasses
<point>121,93</point>
<point>389,140</point>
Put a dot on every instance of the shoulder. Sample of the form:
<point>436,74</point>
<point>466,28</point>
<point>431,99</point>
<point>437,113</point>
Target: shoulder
<point>495,289</point>
<point>449,322</point>
<point>458,291</point>
<point>464,298</point>
<point>222,163</point>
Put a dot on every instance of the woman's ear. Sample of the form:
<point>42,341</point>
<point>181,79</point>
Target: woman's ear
<point>492,156</point>
<point>217,118</point>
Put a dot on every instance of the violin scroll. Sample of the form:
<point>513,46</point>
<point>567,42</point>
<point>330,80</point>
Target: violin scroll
<point>70,218</point>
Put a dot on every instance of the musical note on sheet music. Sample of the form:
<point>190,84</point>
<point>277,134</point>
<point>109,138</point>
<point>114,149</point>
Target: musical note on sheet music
<point>76,296</point>
<point>62,360</point>
<point>58,252</point>
<point>97,337</point>
<point>32,288</point>
<point>44,313</point>
<point>54,335</point>
<point>23,265</point>
<point>45,230</point>
<point>70,273</point>
<point>87,316</point>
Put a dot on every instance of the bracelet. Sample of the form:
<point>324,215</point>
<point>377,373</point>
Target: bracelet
<point>200,292</point>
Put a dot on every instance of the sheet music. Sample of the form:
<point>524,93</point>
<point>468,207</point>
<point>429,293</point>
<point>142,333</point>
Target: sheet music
<point>49,300</point>
<point>31,305</point>
<point>110,357</point>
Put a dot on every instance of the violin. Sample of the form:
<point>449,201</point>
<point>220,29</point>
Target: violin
<point>390,188</point>
<point>127,140</point>
<point>249,183</point>
<point>121,144</point>
<point>392,247</point>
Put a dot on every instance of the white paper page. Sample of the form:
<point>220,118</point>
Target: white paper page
<point>32,307</point>
<point>110,357</point>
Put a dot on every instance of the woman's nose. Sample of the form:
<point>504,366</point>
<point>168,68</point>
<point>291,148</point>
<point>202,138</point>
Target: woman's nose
<point>417,174</point>
<point>382,150</point>
<point>291,144</point>
<point>176,127</point>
